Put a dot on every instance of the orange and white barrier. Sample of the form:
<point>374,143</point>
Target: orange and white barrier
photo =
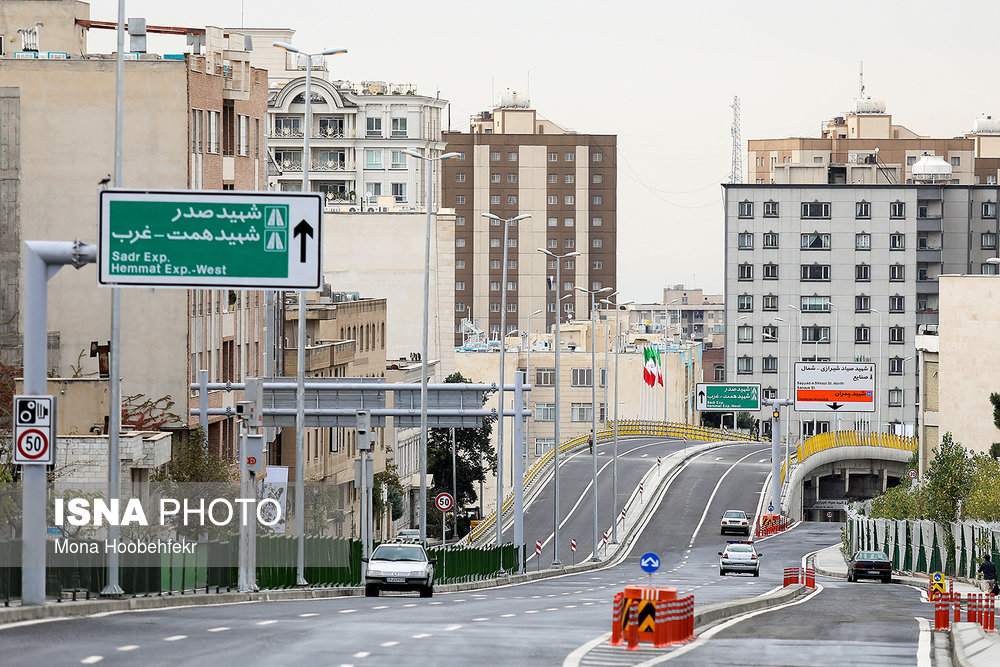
<point>800,575</point>
<point>654,615</point>
<point>979,608</point>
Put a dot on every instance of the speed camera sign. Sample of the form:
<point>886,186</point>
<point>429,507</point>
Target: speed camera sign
<point>34,430</point>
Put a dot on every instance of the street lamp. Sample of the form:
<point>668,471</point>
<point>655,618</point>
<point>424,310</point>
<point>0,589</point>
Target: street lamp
<point>607,351</point>
<point>614,465</point>
<point>791,389</point>
<point>593,400</point>
<point>663,366</point>
<point>300,353</point>
<point>878,364</point>
<point>503,337</point>
<point>799,319</point>
<point>902,397</point>
<point>558,345</point>
<point>527,395</point>
<point>422,504</point>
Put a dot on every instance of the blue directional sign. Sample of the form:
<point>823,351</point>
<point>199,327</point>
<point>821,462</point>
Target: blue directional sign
<point>649,562</point>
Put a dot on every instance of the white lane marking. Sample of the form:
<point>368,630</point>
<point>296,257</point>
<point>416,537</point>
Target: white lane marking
<point>570,606</point>
<point>218,629</point>
<point>585,604</point>
<point>362,654</point>
<point>436,603</point>
<point>459,600</point>
<point>507,615</point>
<point>924,643</point>
<point>412,604</point>
<point>92,659</point>
<point>552,595</point>
<point>381,606</point>
<point>718,458</point>
<point>128,647</point>
<point>175,638</point>
<point>309,615</point>
<point>422,635</point>
<point>531,611</point>
<point>452,628</point>
<point>480,619</point>
<point>708,505</point>
<point>644,455</point>
<point>347,611</point>
<point>266,622</point>
<point>388,644</point>
<point>552,609</point>
<point>763,461</point>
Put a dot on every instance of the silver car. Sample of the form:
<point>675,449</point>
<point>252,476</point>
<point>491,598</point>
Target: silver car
<point>399,566</point>
<point>735,521</point>
<point>739,557</point>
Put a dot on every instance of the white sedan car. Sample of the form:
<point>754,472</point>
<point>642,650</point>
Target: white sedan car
<point>735,521</point>
<point>399,566</point>
<point>739,557</point>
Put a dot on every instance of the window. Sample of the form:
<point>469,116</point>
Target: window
<point>511,307</point>
<point>897,273</point>
<point>598,265</point>
<point>744,333</point>
<point>569,222</point>
<point>770,302</point>
<point>399,127</point>
<point>862,273</point>
<point>494,156</point>
<point>373,159</point>
<point>459,242</point>
<point>553,200</point>
<point>770,272</point>
<point>569,178</point>
<point>896,336</point>
<point>897,210</point>
<point>744,365</point>
<point>862,304</point>
<point>770,209</point>
<point>495,264</point>
<point>989,240</point>
<point>582,377</point>
<point>956,161</point>
<point>290,160</point>
<point>494,178</point>
<point>494,199</point>
<point>815,272</point>
<point>461,156</point>
<point>598,243</point>
<point>816,209</point>
<point>511,243</point>
<point>459,200</point>
<point>399,192</point>
<point>494,285</point>
<point>570,156</point>
<point>543,445</point>
<point>459,285</point>
<point>597,222</point>
<point>746,272</point>
<point>545,412</point>
<point>495,243</point>
<point>769,333</point>
<point>570,243</point>
<point>373,127</point>
<point>459,263</point>
<point>213,132</point>
<point>896,395</point>
<point>746,209</point>
<point>896,304</point>
<point>895,366</point>
<point>719,372</point>
<point>863,241</point>
<point>989,269</point>
<point>769,365</point>
<point>745,241</point>
<point>512,177</point>
<point>815,241</point>
<point>553,157</point>
<point>197,129</point>
<point>897,241</point>
<point>494,307</point>
<point>545,377</point>
<point>815,334</point>
<point>862,210</point>
<point>598,200</point>
<point>862,334</point>
<point>911,160</point>
<point>569,264</point>
<point>597,179</point>
<point>511,285</point>
<point>243,135</point>
<point>769,393</point>
<point>511,200</point>
<point>459,177</point>
<point>553,178</point>
<point>553,222</point>
<point>459,307</point>
<point>744,303</point>
<point>581,412</point>
<point>815,304</point>
<point>989,209</point>
<point>552,243</point>
<point>399,162</point>
<point>770,240</point>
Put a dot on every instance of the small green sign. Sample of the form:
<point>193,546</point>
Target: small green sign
<point>728,397</point>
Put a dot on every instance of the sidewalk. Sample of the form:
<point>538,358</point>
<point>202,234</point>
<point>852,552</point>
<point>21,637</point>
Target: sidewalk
<point>970,646</point>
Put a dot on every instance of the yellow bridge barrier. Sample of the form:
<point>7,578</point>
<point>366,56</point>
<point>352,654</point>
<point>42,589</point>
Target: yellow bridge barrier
<point>818,443</point>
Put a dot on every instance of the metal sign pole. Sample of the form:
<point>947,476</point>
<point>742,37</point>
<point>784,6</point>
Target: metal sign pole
<point>518,481</point>
<point>243,579</point>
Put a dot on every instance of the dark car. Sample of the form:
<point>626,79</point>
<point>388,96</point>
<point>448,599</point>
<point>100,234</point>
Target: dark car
<point>869,565</point>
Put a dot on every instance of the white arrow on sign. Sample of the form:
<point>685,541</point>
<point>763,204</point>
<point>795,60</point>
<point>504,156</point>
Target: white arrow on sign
<point>650,562</point>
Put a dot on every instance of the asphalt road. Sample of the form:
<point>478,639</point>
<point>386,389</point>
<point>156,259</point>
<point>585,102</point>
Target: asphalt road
<point>538,623</point>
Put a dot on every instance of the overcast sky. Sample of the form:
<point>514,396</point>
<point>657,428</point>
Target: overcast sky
<point>660,75</point>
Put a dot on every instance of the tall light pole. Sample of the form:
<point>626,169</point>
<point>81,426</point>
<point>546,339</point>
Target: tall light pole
<point>527,394</point>
<point>422,504</point>
<point>663,365</point>
<point>902,398</point>
<point>878,369</point>
<point>799,321</point>
<point>593,400</point>
<point>607,351</point>
<point>555,451</point>
<point>503,347</point>
<point>614,465</point>
<point>300,356</point>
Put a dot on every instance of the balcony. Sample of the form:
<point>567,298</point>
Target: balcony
<point>333,133</point>
<point>285,133</point>
<point>929,254</point>
<point>929,224</point>
<point>927,286</point>
<point>927,316</point>
<point>331,165</point>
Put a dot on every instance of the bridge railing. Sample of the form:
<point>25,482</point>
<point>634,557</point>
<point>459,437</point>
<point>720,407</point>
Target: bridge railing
<point>831,439</point>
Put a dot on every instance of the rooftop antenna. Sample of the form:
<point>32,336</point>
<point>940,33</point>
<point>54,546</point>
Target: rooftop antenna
<point>861,80</point>
<point>736,175</point>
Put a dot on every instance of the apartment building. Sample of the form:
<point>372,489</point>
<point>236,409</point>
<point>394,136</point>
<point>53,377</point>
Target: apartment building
<point>848,273</point>
<point>514,162</point>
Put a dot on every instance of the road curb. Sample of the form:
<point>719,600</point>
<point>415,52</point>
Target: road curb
<point>716,612</point>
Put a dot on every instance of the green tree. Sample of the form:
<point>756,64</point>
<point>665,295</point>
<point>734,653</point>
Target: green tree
<point>949,480</point>
<point>995,400</point>
<point>474,456</point>
<point>983,501</point>
<point>744,420</point>
<point>192,461</point>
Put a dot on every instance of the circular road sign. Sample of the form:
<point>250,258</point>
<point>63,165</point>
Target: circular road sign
<point>649,562</point>
<point>911,473</point>
<point>444,501</point>
<point>32,444</point>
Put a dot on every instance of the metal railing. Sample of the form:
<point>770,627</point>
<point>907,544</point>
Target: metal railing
<point>831,439</point>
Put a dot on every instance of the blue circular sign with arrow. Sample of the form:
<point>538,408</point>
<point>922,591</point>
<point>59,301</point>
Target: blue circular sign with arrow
<point>649,562</point>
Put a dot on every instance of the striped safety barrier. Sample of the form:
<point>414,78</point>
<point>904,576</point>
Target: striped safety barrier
<point>800,575</point>
<point>654,615</point>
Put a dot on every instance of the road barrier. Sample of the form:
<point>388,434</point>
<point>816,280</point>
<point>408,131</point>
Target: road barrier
<point>979,608</point>
<point>769,524</point>
<point>653,615</point>
<point>800,575</point>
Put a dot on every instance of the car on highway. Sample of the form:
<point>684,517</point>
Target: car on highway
<point>739,556</point>
<point>869,565</point>
<point>399,566</point>
<point>735,521</point>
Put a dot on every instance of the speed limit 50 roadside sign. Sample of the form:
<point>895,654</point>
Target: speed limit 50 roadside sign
<point>34,430</point>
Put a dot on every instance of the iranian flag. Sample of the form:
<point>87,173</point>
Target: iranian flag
<point>649,368</point>
<point>658,366</point>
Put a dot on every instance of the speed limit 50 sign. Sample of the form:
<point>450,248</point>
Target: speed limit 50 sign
<point>34,430</point>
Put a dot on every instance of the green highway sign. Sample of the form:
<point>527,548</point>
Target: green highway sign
<point>199,238</point>
<point>727,397</point>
